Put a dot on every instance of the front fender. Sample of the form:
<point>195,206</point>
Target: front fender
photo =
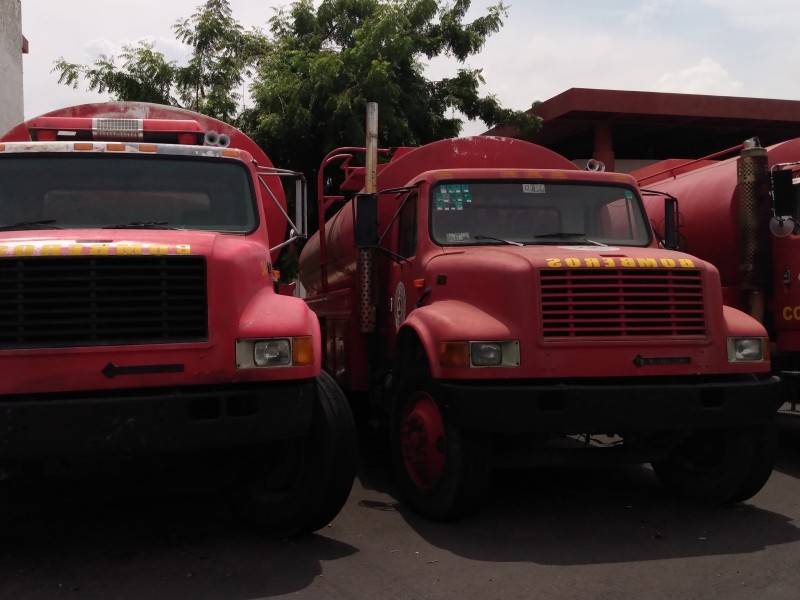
<point>270,315</point>
<point>740,324</point>
<point>450,320</point>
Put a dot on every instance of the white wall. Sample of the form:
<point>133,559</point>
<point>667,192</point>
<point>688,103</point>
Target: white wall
<point>11,105</point>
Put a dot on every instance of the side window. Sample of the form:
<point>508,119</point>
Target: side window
<point>407,228</point>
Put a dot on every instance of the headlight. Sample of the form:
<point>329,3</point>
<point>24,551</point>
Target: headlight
<point>486,354</point>
<point>274,352</point>
<point>746,349</point>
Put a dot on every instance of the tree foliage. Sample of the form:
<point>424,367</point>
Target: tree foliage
<point>222,53</point>
<point>322,65</point>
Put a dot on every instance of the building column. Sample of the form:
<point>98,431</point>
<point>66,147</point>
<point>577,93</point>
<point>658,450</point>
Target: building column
<point>603,144</point>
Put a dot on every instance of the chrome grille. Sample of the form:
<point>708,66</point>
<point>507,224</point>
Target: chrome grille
<point>613,303</point>
<point>90,301</point>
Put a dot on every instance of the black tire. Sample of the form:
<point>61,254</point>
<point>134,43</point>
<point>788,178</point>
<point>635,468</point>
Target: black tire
<point>765,448</point>
<point>719,466</point>
<point>298,486</point>
<point>443,473</point>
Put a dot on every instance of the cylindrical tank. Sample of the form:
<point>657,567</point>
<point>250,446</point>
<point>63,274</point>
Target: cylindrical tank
<point>216,130</point>
<point>711,221</point>
<point>469,152</point>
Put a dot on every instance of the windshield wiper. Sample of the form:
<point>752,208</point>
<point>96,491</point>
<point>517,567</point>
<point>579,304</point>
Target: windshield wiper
<point>141,225</point>
<point>43,224</point>
<point>566,235</point>
<point>501,240</point>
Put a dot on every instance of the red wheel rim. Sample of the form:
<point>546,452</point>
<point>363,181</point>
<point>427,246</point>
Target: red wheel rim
<point>422,441</point>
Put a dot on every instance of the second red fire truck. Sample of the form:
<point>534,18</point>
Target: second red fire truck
<point>496,306</point>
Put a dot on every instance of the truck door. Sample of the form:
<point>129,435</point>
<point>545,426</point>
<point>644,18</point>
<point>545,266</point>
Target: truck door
<point>402,295</point>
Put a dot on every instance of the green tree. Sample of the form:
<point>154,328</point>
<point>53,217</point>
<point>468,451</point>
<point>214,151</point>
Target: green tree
<point>221,56</point>
<point>145,75</point>
<point>322,65</point>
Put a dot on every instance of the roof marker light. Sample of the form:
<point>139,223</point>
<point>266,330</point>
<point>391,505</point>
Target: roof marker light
<point>50,129</point>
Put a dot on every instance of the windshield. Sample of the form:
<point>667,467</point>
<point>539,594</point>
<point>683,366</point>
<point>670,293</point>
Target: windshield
<point>148,192</point>
<point>525,212</point>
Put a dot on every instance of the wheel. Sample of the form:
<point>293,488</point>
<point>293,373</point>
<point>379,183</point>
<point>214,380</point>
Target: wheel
<point>298,486</point>
<point>443,473</point>
<point>720,466</point>
<point>765,447</point>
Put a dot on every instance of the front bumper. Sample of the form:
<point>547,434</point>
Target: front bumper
<point>609,406</point>
<point>153,420</point>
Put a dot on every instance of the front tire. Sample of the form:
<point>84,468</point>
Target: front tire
<point>443,472</point>
<point>720,466</point>
<point>298,486</point>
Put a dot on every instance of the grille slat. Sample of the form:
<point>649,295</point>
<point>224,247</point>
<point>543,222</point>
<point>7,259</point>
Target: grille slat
<point>90,301</point>
<point>582,303</point>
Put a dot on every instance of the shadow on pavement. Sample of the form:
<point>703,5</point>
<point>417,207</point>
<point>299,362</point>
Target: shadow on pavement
<point>587,516</point>
<point>61,538</point>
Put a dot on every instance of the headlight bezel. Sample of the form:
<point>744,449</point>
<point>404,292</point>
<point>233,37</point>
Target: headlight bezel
<point>274,352</point>
<point>479,354</point>
<point>746,349</point>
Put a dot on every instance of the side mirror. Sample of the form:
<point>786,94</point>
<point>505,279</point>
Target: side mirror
<point>366,220</point>
<point>671,228</point>
<point>783,195</point>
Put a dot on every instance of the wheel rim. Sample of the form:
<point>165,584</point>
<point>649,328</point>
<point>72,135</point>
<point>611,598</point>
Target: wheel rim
<point>422,441</point>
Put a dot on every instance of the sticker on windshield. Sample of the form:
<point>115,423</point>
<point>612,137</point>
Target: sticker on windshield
<point>628,195</point>
<point>457,237</point>
<point>452,196</point>
<point>533,188</point>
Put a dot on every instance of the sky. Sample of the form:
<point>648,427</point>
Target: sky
<point>545,47</point>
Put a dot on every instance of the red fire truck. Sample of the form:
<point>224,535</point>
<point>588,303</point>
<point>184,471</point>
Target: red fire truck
<point>501,307</point>
<point>139,313</point>
<point>740,213</point>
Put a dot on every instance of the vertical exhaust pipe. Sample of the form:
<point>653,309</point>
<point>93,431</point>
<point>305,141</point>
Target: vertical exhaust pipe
<point>366,256</point>
<point>753,204</point>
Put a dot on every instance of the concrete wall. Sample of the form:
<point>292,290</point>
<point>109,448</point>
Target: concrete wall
<point>11,106</point>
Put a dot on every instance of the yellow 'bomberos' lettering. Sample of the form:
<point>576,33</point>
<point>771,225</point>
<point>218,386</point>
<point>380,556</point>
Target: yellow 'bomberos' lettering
<point>122,249</point>
<point>606,261</point>
<point>129,249</point>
